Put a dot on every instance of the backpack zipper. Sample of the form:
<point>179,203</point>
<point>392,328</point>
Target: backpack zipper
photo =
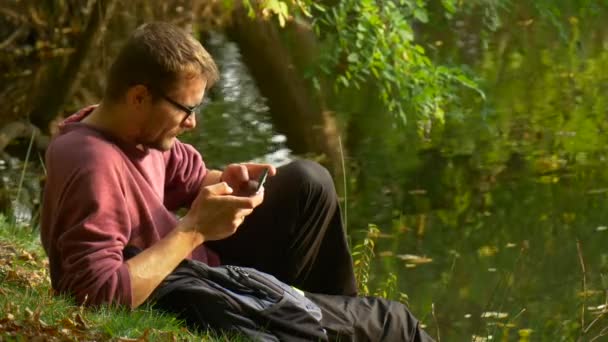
<point>254,277</point>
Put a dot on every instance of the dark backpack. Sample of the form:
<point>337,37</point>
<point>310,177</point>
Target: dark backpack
<point>239,299</point>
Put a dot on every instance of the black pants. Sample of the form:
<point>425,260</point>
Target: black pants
<point>367,319</point>
<point>296,234</point>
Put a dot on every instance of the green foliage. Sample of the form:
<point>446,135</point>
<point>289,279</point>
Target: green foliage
<point>370,41</point>
<point>279,9</point>
<point>556,13</point>
<point>363,254</point>
<point>388,289</point>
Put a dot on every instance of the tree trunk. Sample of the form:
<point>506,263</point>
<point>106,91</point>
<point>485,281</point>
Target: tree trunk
<point>61,82</point>
<point>294,108</point>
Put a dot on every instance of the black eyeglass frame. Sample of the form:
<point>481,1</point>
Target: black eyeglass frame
<point>188,110</point>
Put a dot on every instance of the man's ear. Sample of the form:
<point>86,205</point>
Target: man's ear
<point>137,96</point>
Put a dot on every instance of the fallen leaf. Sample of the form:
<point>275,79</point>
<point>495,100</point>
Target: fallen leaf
<point>486,251</point>
<point>602,307</point>
<point>494,314</point>
<point>81,323</point>
<point>414,259</point>
<point>25,255</point>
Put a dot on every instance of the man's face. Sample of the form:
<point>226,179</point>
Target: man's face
<point>172,114</point>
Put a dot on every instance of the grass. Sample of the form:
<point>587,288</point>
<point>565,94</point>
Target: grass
<point>29,309</point>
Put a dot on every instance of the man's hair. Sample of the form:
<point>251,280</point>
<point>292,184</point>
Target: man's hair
<point>157,55</point>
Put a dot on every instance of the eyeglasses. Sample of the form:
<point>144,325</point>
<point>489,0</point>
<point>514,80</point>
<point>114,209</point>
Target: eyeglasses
<point>188,110</point>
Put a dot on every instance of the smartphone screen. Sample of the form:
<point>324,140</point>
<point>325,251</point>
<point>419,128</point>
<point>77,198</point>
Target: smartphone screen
<point>262,180</point>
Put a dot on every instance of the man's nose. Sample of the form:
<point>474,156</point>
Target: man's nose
<point>190,121</point>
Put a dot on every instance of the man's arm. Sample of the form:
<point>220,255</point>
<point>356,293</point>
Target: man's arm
<point>214,215</point>
<point>85,223</point>
<point>148,268</point>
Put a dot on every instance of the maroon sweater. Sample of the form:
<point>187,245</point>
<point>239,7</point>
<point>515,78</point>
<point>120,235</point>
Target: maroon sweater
<point>101,195</point>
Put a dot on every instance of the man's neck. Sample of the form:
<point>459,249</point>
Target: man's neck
<point>111,119</point>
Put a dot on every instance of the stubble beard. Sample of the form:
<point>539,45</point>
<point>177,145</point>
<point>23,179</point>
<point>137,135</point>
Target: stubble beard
<point>162,145</point>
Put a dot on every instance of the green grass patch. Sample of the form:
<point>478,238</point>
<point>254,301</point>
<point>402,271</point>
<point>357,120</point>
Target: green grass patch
<point>29,309</point>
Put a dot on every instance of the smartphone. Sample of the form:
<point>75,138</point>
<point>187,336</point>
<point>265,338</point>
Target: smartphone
<point>262,180</point>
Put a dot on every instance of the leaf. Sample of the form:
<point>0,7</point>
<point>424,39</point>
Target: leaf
<point>249,7</point>
<point>26,256</point>
<point>421,15</point>
<point>318,7</point>
<point>494,314</point>
<point>439,114</point>
<point>386,253</point>
<point>81,323</point>
<point>486,251</point>
<point>414,259</point>
<point>525,332</point>
<point>449,5</point>
<point>465,81</point>
<point>343,80</point>
<point>304,8</point>
<point>279,8</point>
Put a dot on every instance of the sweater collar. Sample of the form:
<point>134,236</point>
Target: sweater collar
<point>74,121</point>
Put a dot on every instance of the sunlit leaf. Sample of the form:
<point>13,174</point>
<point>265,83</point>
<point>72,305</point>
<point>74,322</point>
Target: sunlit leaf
<point>421,15</point>
<point>414,259</point>
<point>487,251</point>
<point>494,314</point>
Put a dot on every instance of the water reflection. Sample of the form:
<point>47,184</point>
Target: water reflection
<point>20,189</point>
<point>235,125</point>
<point>500,198</point>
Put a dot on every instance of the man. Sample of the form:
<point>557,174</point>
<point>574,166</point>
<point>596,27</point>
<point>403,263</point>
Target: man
<point>116,173</point>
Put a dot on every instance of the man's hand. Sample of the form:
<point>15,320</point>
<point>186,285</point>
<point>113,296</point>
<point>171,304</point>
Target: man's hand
<point>238,176</point>
<point>216,213</point>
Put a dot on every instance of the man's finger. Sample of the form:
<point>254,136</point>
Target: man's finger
<point>243,173</point>
<point>258,198</point>
<point>237,172</point>
<point>244,212</point>
<point>242,202</point>
<point>255,169</point>
<point>221,188</point>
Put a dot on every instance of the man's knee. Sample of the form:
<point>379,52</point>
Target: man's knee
<point>309,174</point>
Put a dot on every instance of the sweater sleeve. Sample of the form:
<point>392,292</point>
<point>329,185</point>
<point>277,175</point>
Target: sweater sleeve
<point>91,228</point>
<point>184,176</point>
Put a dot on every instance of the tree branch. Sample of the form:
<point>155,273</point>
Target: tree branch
<point>21,129</point>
